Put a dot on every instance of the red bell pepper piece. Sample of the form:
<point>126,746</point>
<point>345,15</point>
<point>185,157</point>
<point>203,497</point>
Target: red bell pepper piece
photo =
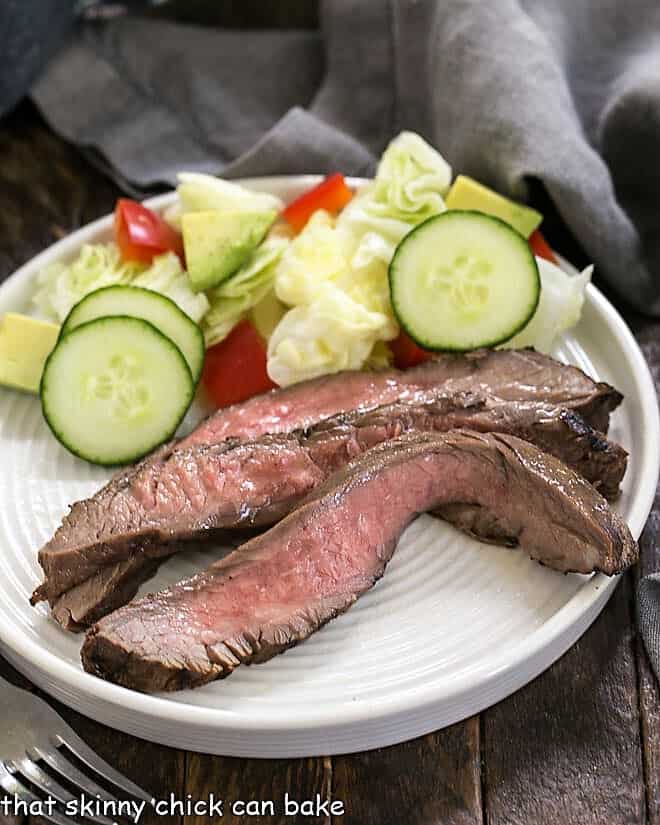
<point>235,369</point>
<point>407,353</point>
<point>332,194</point>
<point>541,247</point>
<point>141,233</point>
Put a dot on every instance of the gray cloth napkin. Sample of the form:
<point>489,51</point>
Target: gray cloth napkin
<point>648,617</point>
<point>562,91</point>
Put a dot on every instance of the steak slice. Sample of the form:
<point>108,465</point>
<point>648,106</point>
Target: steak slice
<point>512,375</point>
<point>109,588</point>
<point>506,374</point>
<point>559,431</point>
<point>280,587</point>
<point>198,492</point>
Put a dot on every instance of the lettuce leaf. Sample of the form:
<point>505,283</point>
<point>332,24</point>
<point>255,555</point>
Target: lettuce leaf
<point>559,309</point>
<point>334,332</point>
<point>234,298</point>
<point>380,357</point>
<point>320,255</point>
<point>198,191</point>
<point>316,256</point>
<point>167,276</point>
<point>339,312</point>
<point>266,314</point>
<point>411,178</point>
<point>410,182</point>
<point>62,285</point>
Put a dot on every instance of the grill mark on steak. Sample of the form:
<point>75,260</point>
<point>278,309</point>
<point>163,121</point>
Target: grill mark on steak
<point>197,493</point>
<point>279,588</point>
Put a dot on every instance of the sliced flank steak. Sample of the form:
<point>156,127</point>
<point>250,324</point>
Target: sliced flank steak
<point>512,375</point>
<point>282,586</point>
<point>198,493</point>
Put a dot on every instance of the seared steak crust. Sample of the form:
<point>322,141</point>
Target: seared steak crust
<point>198,492</point>
<point>511,375</point>
<point>280,587</point>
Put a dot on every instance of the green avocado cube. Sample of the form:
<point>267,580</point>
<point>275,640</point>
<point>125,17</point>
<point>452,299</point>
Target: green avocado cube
<point>467,193</point>
<point>218,242</point>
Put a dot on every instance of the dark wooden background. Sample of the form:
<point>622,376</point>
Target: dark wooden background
<point>579,745</point>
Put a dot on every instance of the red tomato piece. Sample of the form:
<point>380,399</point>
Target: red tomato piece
<point>407,353</point>
<point>332,194</point>
<point>235,369</point>
<point>541,247</point>
<point>141,233</point>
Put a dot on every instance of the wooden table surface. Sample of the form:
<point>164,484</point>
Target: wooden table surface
<point>580,744</point>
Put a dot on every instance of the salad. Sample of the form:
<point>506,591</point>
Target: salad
<point>240,292</point>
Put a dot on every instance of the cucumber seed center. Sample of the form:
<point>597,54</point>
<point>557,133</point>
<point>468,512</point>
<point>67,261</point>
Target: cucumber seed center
<point>121,386</point>
<point>465,283</point>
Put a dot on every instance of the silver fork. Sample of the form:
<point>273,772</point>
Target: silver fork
<point>33,735</point>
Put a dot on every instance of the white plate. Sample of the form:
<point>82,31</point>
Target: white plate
<point>452,627</point>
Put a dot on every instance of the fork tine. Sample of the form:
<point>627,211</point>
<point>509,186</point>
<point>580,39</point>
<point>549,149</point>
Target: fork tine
<point>49,786</point>
<point>76,745</point>
<point>59,763</point>
<point>28,769</point>
<point>12,786</point>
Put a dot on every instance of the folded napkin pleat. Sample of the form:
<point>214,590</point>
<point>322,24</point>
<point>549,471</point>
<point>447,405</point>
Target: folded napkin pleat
<point>648,617</point>
<point>155,97</point>
<point>564,92</point>
<point>302,141</point>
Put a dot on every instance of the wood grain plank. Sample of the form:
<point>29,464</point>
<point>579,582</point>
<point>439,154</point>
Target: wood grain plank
<point>10,673</point>
<point>648,336</point>
<point>47,188</point>
<point>258,780</point>
<point>433,780</point>
<point>566,748</point>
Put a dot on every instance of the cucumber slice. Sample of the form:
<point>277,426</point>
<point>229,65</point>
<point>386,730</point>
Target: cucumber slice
<point>151,306</point>
<point>115,388</point>
<point>463,280</point>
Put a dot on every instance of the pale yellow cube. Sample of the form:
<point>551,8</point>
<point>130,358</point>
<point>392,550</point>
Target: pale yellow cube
<point>25,343</point>
<point>467,193</point>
